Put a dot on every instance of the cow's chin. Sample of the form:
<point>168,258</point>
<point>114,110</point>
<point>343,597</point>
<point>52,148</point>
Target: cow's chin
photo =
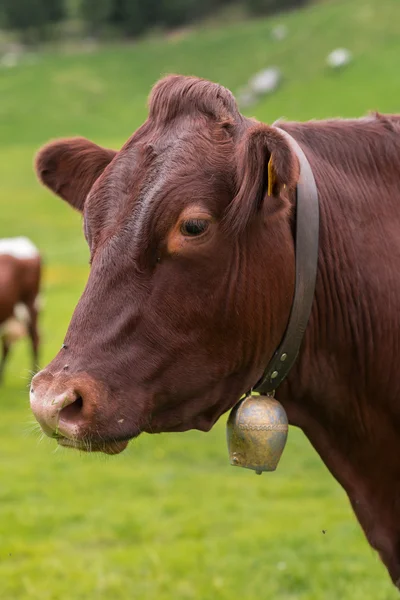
<point>199,424</point>
<point>88,445</point>
<point>175,420</point>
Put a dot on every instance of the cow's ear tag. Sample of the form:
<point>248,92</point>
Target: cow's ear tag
<point>257,430</point>
<point>271,177</point>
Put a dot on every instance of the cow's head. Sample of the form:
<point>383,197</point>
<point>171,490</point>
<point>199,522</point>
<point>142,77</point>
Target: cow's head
<point>192,269</point>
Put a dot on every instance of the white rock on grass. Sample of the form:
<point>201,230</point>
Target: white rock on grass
<point>266,81</point>
<point>262,83</point>
<point>340,57</point>
<point>9,60</point>
<point>279,32</point>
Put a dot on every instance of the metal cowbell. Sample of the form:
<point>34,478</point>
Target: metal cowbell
<point>257,430</point>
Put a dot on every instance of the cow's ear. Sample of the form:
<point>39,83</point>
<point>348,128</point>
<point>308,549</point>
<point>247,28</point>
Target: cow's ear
<point>70,167</point>
<point>267,171</point>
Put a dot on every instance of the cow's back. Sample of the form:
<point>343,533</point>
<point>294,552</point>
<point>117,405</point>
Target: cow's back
<point>20,267</point>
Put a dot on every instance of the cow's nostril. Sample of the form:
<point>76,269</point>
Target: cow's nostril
<point>73,412</point>
<point>64,405</point>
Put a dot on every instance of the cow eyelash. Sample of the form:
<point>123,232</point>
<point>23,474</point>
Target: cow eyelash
<point>194,227</point>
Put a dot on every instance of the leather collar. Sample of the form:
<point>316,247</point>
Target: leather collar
<point>306,253</point>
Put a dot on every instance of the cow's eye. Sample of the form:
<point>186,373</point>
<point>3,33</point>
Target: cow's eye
<point>194,227</point>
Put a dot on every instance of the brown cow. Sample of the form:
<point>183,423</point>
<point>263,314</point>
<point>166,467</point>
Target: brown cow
<point>192,280</point>
<point>20,271</point>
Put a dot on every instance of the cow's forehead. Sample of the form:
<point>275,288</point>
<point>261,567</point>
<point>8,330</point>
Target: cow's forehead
<point>154,164</point>
<point>153,178</point>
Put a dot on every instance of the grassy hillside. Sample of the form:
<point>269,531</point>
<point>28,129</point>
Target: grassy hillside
<point>103,93</point>
<point>169,519</point>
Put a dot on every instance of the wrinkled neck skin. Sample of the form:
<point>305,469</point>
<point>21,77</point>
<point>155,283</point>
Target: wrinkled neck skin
<point>344,390</point>
<point>353,431</point>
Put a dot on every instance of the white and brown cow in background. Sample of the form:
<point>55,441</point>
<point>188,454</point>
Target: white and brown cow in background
<point>20,272</point>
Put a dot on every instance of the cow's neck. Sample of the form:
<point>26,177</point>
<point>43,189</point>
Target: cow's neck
<point>336,395</point>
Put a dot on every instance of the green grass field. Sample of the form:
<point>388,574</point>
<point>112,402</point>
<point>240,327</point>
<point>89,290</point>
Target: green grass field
<point>170,519</point>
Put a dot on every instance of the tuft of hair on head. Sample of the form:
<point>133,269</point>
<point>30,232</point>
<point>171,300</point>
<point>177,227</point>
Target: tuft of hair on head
<point>266,167</point>
<point>177,95</point>
<point>390,122</point>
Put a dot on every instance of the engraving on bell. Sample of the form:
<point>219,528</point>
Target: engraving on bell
<point>257,430</point>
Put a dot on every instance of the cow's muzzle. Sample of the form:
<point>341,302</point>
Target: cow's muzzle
<point>66,406</point>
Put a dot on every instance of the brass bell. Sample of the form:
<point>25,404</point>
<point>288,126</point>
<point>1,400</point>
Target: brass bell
<point>257,430</point>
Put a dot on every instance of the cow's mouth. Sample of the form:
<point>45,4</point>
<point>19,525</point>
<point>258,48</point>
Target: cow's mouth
<point>88,445</point>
